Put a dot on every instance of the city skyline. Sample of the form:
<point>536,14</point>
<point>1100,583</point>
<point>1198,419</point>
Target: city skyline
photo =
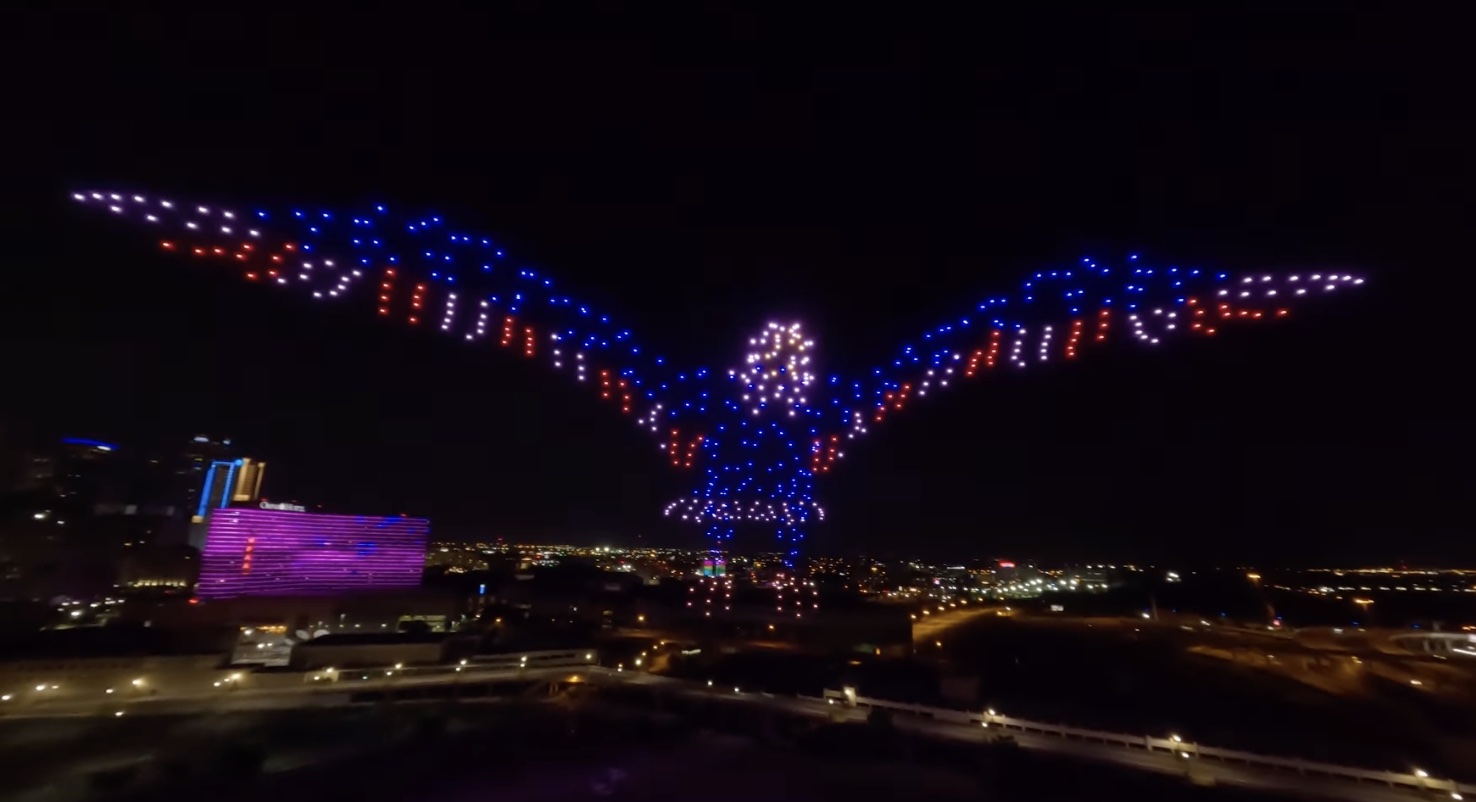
<point>1031,406</point>
<point>1346,441</point>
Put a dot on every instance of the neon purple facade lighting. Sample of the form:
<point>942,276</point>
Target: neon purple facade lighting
<point>255,552</point>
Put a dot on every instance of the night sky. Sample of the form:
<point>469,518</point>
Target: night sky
<point>700,176</point>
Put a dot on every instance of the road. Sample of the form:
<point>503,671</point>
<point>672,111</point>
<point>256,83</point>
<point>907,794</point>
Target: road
<point>1244,776</point>
<point>310,694</point>
<point>305,694</point>
<point>931,628</point>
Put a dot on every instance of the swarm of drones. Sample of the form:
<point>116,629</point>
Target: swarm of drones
<point>756,435</point>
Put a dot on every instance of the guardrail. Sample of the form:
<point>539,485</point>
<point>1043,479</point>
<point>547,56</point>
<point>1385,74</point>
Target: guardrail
<point>1414,781</point>
<point>542,659</point>
<point>469,667</point>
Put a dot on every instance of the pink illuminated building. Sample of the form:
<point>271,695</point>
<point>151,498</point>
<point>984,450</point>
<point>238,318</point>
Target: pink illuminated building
<point>277,552</point>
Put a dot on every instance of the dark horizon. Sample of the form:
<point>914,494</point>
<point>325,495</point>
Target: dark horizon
<point>698,190</point>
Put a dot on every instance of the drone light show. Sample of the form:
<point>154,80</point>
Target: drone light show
<point>756,429</point>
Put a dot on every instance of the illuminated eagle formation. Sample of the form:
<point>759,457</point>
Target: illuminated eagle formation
<point>755,435</point>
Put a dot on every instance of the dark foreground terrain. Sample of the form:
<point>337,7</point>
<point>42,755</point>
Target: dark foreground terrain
<point>566,749</point>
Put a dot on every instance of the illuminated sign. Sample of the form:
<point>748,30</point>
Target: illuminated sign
<point>267,505</point>
<point>1006,564</point>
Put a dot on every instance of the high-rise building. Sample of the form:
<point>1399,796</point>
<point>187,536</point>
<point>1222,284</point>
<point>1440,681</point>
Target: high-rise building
<point>87,516</point>
<point>228,482</point>
<point>282,550</point>
<point>74,474</point>
<point>224,482</point>
<point>158,570</point>
<point>52,542</point>
<point>193,463</point>
<point>247,487</point>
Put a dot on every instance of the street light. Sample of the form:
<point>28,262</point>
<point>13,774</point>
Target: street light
<point>1364,604</point>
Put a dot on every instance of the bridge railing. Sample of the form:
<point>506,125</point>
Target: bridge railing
<point>1407,780</point>
<point>552,658</point>
<point>469,667</point>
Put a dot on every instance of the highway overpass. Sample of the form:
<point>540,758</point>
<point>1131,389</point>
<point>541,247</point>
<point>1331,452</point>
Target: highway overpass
<point>1161,753</point>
